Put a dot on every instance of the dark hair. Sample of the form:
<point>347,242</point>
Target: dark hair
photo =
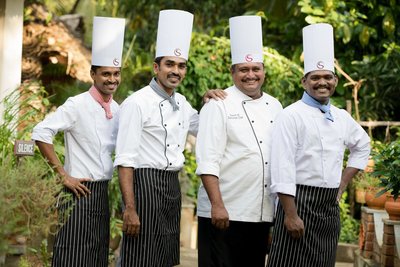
<point>306,75</point>
<point>157,60</point>
<point>94,68</point>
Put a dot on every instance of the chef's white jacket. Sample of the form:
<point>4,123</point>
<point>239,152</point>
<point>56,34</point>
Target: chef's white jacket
<point>151,134</point>
<point>308,149</point>
<point>89,136</point>
<point>233,144</point>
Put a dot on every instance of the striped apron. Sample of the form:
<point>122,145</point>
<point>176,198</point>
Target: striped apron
<point>319,210</point>
<point>83,239</point>
<point>158,204</point>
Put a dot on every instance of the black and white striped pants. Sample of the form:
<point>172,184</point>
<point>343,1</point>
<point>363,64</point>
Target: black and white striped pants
<point>158,204</point>
<point>83,238</point>
<point>319,210</point>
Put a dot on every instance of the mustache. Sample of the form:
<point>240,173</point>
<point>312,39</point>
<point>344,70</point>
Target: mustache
<point>322,87</point>
<point>173,75</point>
<point>252,79</point>
<point>110,83</point>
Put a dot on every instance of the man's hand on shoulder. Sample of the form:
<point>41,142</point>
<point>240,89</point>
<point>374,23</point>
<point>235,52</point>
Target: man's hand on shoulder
<point>216,94</point>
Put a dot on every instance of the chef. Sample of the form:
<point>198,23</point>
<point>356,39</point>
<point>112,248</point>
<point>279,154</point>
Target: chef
<point>235,209</point>
<point>89,122</point>
<point>154,124</point>
<point>310,138</point>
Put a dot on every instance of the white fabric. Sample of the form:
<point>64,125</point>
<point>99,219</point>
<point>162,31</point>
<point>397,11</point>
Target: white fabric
<point>89,136</point>
<point>246,39</point>
<point>107,41</point>
<point>152,135</point>
<point>174,33</point>
<point>308,149</point>
<point>318,47</point>
<point>233,144</point>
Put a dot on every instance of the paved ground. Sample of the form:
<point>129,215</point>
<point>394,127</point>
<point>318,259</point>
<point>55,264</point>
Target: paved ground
<point>189,259</point>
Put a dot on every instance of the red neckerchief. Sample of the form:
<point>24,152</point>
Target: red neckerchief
<point>106,105</point>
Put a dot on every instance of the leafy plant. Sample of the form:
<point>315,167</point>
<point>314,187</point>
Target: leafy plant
<point>37,256</point>
<point>28,189</point>
<point>349,226</point>
<point>189,173</point>
<point>364,180</point>
<point>27,199</point>
<point>23,107</point>
<point>387,168</point>
<point>115,204</point>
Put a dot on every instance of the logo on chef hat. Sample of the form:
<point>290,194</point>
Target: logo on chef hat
<point>320,65</point>
<point>177,52</point>
<point>116,62</point>
<point>248,58</point>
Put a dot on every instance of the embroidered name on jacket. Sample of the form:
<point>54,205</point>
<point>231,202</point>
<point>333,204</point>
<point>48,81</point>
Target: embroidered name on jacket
<point>236,116</point>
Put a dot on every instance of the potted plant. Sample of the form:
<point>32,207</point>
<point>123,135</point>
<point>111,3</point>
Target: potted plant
<point>365,183</point>
<point>374,198</point>
<point>387,169</point>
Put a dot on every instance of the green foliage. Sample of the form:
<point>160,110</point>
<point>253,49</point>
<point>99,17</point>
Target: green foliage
<point>143,15</point>
<point>349,226</point>
<point>115,204</point>
<point>27,199</point>
<point>364,180</point>
<point>380,91</point>
<point>208,67</point>
<point>22,108</point>
<point>189,170</point>
<point>387,167</point>
<point>282,77</point>
<point>27,188</point>
<point>36,255</point>
<point>59,92</point>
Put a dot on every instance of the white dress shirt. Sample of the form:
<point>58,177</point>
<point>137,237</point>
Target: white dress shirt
<point>308,149</point>
<point>151,134</point>
<point>89,136</point>
<point>233,144</point>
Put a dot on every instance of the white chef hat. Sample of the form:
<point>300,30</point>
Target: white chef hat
<point>107,41</point>
<point>174,33</point>
<point>318,47</point>
<point>246,39</point>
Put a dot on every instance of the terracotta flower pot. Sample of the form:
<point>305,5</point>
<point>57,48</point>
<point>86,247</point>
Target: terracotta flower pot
<point>393,208</point>
<point>375,202</point>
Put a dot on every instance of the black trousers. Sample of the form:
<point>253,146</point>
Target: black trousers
<point>242,244</point>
